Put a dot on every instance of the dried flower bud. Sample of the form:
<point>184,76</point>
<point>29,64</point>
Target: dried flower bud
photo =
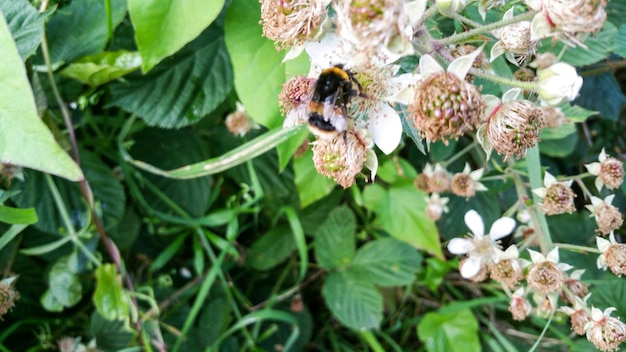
<point>557,197</point>
<point>439,182</point>
<point>519,307</point>
<point>545,276</point>
<point>615,258</point>
<point>445,106</point>
<point>436,206</point>
<point>552,116</point>
<point>579,320</point>
<point>8,295</point>
<point>611,173</point>
<point>576,16</point>
<point>422,181</point>
<point>239,122</point>
<point>514,127</point>
<point>507,272</point>
<point>543,60</point>
<point>604,331</point>
<point>609,170</point>
<point>608,217</point>
<point>372,23</point>
<point>575,287</point>
<point>291,22</point>
<point>515,40</point>
<point>342,157</point>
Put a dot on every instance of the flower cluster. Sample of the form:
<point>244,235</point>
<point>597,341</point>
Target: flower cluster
<point>438,100</point>
<point>543,280</point>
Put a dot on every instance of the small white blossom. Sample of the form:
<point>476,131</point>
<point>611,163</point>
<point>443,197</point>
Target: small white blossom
<point>480,247</point>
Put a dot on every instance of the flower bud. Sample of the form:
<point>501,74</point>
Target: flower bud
<point>559,83</point>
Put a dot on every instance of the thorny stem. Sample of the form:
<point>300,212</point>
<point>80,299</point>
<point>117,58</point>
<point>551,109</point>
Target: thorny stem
<point>466,36</point>
<point>532,86</point>
<point>84,186</point>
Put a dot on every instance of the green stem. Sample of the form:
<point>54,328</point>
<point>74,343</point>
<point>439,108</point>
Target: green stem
<point>458,155</point>
<point>530,86</point>
<point>372,341</point>
<point>533,163</point>
<point>65,217</point>
<point>465,36</point>
<point>576,248</point>
<point>543,332</point>
<point>465,20</point>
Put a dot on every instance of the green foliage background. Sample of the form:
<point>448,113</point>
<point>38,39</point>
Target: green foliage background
<point>234,252</point>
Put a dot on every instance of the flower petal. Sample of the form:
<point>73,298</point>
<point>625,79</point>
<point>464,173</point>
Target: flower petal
<point>385,127</point>
<point>428,66</point>
<point>475,223</point>
<point>602,244</point>
<point>535,256</point>
<point>459,246</point>
<point>553,255</point>
<point>548,179</point>
<point>511,94</point>
<point>462,64</point>
<point>501,228</point>
<point>470,267</point>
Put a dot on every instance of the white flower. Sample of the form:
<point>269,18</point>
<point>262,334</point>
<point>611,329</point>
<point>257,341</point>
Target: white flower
<point>480,248</point>
<point>559,83</point>
<point>376,112</point>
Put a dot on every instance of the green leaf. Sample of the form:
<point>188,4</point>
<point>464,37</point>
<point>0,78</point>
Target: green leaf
<point>557,133</point>
<point>26,25</point>
<point>111,336</point>
<point>162,27</point>
<point>24,139</point>
<point>109,296</point>
<point>603,94</point>
<point>107,191</point>
<point>559,148</point>
<point>312,186</point>
<point>64,283</point>
<point>576,113</point>
<point>610,292</point>
<point>401,212</point>
<point>50,303</point>
<point>104,67</point>
<point>620,42</point>
<point>334,241</point>
<point>17,216</point>
<point>598,47</point>
<point>444,332</point>
<point>174,148</point>
<point>259,73</point>
<point>387,262</point>
<point>10,234</point>
<point>353,299</point>
<point>271,249</point>
<point>182,90</point>
<point>81,29</point>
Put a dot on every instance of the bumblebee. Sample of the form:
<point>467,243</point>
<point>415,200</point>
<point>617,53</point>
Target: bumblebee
<point>327,109</point>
